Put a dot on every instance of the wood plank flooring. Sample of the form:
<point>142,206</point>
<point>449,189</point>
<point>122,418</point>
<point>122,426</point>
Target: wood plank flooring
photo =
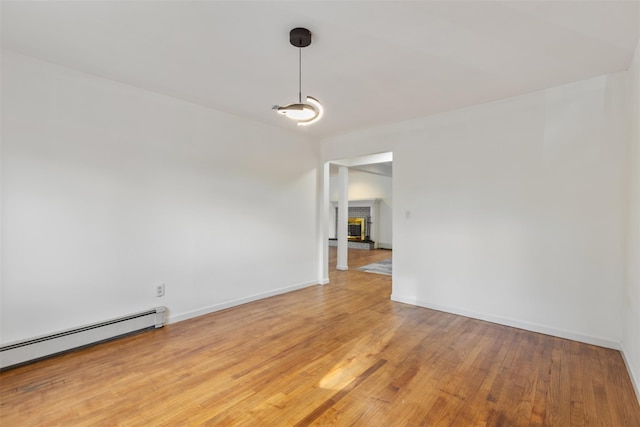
<point>341,354</point>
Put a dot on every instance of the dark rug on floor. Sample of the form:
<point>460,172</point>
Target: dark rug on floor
<point>380,267</point>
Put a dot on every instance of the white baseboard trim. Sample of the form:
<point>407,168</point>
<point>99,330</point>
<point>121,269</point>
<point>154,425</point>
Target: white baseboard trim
<point>403,299</point>
<point>239,301</point>
<point>634,381</point>
<point>324,281</point>
<point>385,246</point>
<point>342,267</point>
<point>533,327</point>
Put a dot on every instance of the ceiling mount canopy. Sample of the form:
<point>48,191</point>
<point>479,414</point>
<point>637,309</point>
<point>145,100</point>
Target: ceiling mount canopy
<point>300,37</point>
<point>311,110</point>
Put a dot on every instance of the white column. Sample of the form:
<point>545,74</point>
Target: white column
<point>343,217</point>
<point>323,238</point>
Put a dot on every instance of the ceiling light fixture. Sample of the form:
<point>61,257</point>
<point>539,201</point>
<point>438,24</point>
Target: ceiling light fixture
<point>311,111</point>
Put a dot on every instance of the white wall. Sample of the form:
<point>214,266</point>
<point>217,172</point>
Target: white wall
<point>631,338</point>
<point>364,185</point>
<point>108,190</point>
<point>517,208</point>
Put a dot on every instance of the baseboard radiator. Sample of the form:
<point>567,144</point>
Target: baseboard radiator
<point>21,352</point>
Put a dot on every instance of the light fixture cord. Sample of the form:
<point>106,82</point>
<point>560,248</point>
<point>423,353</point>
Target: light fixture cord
<point>300,75</point>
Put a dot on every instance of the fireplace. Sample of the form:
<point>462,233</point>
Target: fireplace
<point>361,224</point>
<point>356,229</point>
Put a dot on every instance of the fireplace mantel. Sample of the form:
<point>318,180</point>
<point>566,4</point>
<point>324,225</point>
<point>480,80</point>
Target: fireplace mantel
<point>360,203</point>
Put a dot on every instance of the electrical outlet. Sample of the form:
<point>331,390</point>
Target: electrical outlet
<point>160,290</point>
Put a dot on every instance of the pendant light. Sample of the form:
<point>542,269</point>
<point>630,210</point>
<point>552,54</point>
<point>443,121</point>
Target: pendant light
<point>311,110</point>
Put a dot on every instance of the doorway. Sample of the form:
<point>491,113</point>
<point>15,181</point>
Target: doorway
<point>370,199</point>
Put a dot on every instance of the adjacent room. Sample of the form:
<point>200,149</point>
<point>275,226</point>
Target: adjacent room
<point>320,213</point>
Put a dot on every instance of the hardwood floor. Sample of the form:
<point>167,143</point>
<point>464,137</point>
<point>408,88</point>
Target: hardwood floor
<point>340,354</point>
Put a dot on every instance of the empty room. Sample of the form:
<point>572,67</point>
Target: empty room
<point>291,213</point>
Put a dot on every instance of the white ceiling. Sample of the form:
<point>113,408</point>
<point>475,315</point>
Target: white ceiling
<point>370,63</point>
<point>383,169</point>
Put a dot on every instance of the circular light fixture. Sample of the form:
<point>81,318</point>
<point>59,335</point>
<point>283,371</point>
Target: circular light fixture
<point>304,114</point>
<point>319,111</point>
<point>297,111</point>
<point>311,111</point>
